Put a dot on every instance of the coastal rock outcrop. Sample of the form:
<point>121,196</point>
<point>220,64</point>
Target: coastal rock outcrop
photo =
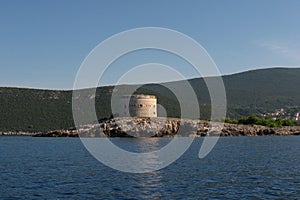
<point>16,133</point>
<point>58,133</point>
<point>162,127</point>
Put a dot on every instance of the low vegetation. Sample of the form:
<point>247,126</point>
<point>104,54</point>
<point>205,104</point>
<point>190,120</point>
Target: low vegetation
<point>274,123</point>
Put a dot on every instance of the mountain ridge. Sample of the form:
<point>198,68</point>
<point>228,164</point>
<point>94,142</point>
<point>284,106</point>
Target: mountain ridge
<point>250,92</point>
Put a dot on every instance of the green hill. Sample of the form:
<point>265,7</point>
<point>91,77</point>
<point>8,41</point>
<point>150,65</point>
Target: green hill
<point>251,92</point>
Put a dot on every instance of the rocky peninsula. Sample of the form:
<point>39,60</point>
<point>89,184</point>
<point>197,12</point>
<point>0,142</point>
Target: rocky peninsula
<point>162,127</point>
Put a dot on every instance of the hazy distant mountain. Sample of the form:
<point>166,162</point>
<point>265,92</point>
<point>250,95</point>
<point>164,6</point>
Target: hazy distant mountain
<point>250,92</point>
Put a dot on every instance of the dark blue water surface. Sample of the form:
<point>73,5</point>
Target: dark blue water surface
<point>238,167</point>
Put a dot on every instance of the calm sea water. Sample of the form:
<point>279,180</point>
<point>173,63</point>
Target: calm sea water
<point>238,167</point>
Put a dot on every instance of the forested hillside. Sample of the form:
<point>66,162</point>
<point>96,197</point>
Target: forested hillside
<point>251,92</point>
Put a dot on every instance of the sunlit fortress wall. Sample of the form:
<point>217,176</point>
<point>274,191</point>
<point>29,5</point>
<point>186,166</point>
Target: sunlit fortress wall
<point>138,106</point>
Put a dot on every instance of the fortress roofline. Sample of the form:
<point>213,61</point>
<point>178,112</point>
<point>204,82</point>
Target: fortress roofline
<point>139,96</point>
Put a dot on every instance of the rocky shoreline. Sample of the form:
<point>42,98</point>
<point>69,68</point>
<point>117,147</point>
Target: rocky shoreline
<point>14,133</point>
<point>161,127</point>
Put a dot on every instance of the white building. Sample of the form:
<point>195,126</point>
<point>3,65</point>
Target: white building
<point>138,106</point>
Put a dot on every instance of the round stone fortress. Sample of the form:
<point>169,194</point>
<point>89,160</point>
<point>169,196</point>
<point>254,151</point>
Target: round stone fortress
<point>138,106</point>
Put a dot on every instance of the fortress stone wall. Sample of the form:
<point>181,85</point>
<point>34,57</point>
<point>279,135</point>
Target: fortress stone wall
<point>138,106</point>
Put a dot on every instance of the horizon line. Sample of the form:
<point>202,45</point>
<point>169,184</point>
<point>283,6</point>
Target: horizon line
<point>128,84</point>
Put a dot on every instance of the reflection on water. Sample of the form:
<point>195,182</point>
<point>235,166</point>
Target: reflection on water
<point>163,151</point>
<point>129,154</point>
<point>237,168</point>
<point>140,145</point>
<point>149,184</point>
<point>148,145</point>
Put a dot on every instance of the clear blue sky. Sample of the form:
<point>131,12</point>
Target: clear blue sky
<point>43,43</point>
